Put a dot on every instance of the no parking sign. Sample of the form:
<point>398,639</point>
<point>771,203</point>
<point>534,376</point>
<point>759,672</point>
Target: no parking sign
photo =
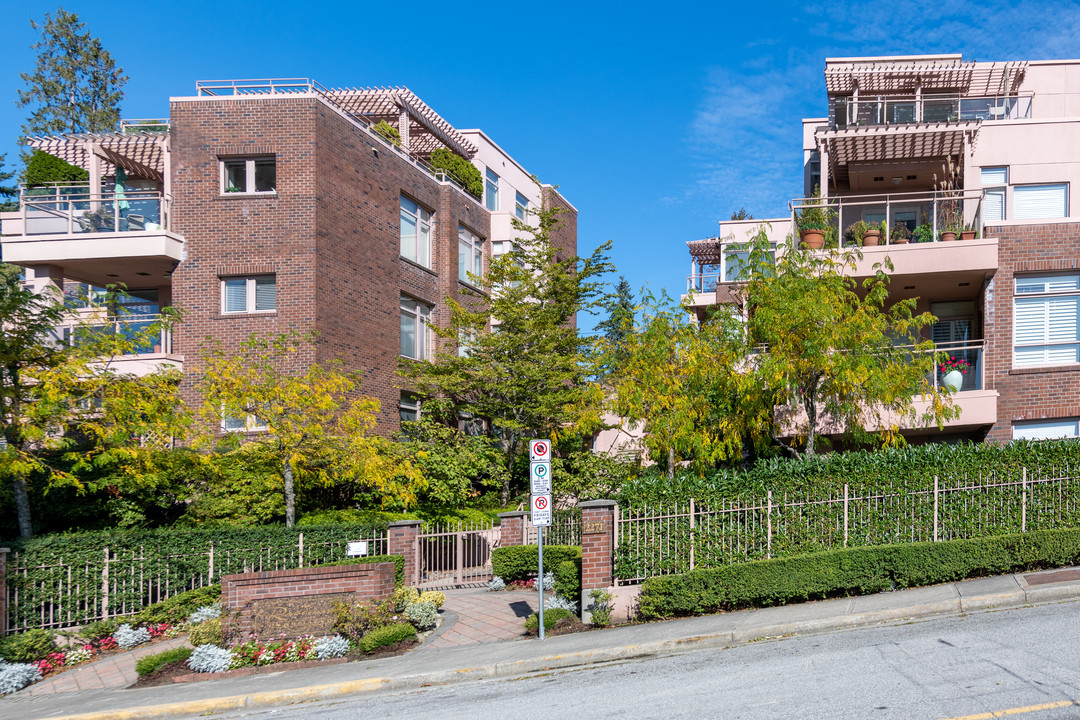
<point>539,450</point>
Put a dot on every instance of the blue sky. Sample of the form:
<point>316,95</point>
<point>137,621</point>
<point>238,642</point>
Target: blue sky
<point>655,120</point>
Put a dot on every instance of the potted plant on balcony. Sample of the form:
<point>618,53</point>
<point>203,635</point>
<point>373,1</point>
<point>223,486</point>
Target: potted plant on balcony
<point>856,234</point>
<point>924,233</point>
<point>814,222</point>
<point>953,370</point>
<point>900,234</point>
<point>967,232</point>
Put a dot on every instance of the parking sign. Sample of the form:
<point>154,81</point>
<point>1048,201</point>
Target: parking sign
<point>540,478</point>
<point>541,510</point>
<point>540,450</point>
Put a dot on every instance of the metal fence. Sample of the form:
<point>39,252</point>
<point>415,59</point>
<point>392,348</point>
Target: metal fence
<point>449,555</point>
<point>672,539</point>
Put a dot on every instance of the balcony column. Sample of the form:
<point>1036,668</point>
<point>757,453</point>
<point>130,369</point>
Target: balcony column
<point>403,128</point>
<point>965,162</point>
<point>95,174</point>
<point>918,102</point>
<point>823,151</point>
<point>47,276</point>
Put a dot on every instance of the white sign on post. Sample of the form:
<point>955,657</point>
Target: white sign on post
<point>356,549</point>
<point>540,478</point>
<point>540,450</point>
<point>541,510</point>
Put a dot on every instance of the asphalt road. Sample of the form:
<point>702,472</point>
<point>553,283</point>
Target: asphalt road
<point>1025,661</point>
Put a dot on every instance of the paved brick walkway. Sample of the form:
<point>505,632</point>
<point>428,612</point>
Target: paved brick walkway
<point>482,617</point>
<point>113,671</point>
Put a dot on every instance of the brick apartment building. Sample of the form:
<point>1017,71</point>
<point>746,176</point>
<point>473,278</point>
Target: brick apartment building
<point>1007,136</point>
<point>267,206</point>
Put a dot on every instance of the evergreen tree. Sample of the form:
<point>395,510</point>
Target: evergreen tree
<point>8,193</point>
<point>76,86</point>
<point>618,326</point>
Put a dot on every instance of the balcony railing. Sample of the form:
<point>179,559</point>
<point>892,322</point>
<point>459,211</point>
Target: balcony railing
<point>925,215</point>
<point>969,357</point>
<point>849,112</point>
<point>703,282</point>
<point>147,335</point>
<point>72,209</point>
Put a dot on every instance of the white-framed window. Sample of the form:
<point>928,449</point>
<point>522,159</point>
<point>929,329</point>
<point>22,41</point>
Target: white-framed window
<point>1047,429</point>
<point>415,232</point>
<point>409,407</point>
<point>1038,202</point>
<point>249,294</point>
<point>415,329</point>
<point>470,257</point>
<point>491,191</point>
<point>249,174</point>
<point>521,206</point>
<point>465,341</point>
<point>242,423</point>
<point>995,181</point>
<point>1046,314</point>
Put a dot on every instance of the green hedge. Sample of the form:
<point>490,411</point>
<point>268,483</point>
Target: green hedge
<point>386,635</point>
<point>568,579</point>
<point>176,609</point>
<point>853,571</point>
<point>551,617</point>
<point>398,560</point>
<point>462,170</point>
<point>519,562</point>
<point>150,664</point>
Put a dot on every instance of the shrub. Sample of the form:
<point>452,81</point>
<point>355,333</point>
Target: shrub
<point>353,621</point>
<point>423,615</point>
<point>209,659</point>
<point>461,169</point>
<point>568,579</point>
<point>387,635</point>
<point>600,609</point>
<point>151,663</point>
<point>518,562</point>
<point>550,618</point>
<point>43,168</point>
<point>16,676</point>
<point>496,584</point>
<point>404,597</point>
<point>208,632</point>
<point>178,608</point>
<point>549,581</point>
<point>127,637</point>
<point>388,131</point>
<point>433,596</point>
<point>77,655</point>
<point>28,647</point>
<point>331,647</point>
<point>853,571</point>
<point>97,630</point>
<point>206,612</point>
<point>560,603</point>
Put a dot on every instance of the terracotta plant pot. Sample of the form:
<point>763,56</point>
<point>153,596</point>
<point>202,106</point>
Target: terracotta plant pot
<point>901,241</point>
<point>947,236</point>
<point>812,239</point>
<point>968,235</point>
<point>871,238</point>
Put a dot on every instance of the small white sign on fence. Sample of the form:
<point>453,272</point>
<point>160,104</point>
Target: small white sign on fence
<point>356,549</point>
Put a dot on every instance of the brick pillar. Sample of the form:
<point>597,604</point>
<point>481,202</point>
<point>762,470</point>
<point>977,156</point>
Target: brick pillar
<point>513,528</point>
<point>3,590</point>
<point>597,549</point>
<point>402,540</point>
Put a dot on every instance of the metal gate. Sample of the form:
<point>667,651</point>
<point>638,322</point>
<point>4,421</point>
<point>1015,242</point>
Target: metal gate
<point>450,556</point>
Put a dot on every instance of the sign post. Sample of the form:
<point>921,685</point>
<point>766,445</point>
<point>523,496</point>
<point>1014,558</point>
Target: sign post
<point>540,508</point>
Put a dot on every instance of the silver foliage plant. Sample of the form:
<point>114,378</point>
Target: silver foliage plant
<point>331,647</point>
<point>560,603</point>
<point>496,583</point>
<point>209,659</point>
<point>549,581</point>
<point>128,637</point>
<point>16,676</point>
<point>206,612</point>
<point>422,615</point>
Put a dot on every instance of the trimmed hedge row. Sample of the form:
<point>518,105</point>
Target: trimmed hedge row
<point>568,579</point>
<point>853,571</point>
<point>519,562</point>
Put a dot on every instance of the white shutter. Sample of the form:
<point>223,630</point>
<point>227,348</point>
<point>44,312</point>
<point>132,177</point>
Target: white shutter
<point>1036,202</point>
<point>994,176</point>
<point>1051,430</point>
<point>235,295</point>
<point>1029,321</point>
<point>994,205</point>
<point>265,293</point>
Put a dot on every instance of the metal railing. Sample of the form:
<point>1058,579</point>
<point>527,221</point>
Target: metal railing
<point>936,211</point>
<point>966,358</point>
<point>73,210</point>
<point>449,555</point>
<point>676,538</point>
<point>703,282</point>
<point>145,125</point>
<point>146,333</point>
<point>882,110</point>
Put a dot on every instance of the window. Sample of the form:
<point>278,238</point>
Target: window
<point>415,316</point>
<point>470,255</point>
<point>249,175</point>
<point>415,232</point>
<point>491,191</point>
<point>245,423</point>
<point>465,341</point>
<point>409,407</point>
<point>1046,430</point>
<point>1046,311</point>
<point>994,182</point>
<point>252,294</point>
<point>1036,202</point>
<point>521,206</point>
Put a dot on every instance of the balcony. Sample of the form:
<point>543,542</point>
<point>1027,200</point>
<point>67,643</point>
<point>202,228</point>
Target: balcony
<point>105,238</point>
<point>151,341</point>
<point>938,108</point>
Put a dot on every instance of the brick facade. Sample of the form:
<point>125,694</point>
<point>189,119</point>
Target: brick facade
<point>512,529</point>
<point>402,540</point>
<point>1027,393</point>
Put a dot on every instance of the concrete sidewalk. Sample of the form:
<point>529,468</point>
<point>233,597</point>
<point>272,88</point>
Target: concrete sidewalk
<point>509,659</point>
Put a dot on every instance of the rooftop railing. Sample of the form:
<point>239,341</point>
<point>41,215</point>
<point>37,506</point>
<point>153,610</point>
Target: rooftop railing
<point>65,209</point>
<point>851,112</point>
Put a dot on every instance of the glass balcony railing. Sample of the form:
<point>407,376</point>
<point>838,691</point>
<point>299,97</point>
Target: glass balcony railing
<point>849,112</point>
<point>72,210</point>
<point>145,333</point>
<point>958,366</point>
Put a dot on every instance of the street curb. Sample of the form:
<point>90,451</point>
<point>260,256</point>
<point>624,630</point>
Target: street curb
<point>725,639</point>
